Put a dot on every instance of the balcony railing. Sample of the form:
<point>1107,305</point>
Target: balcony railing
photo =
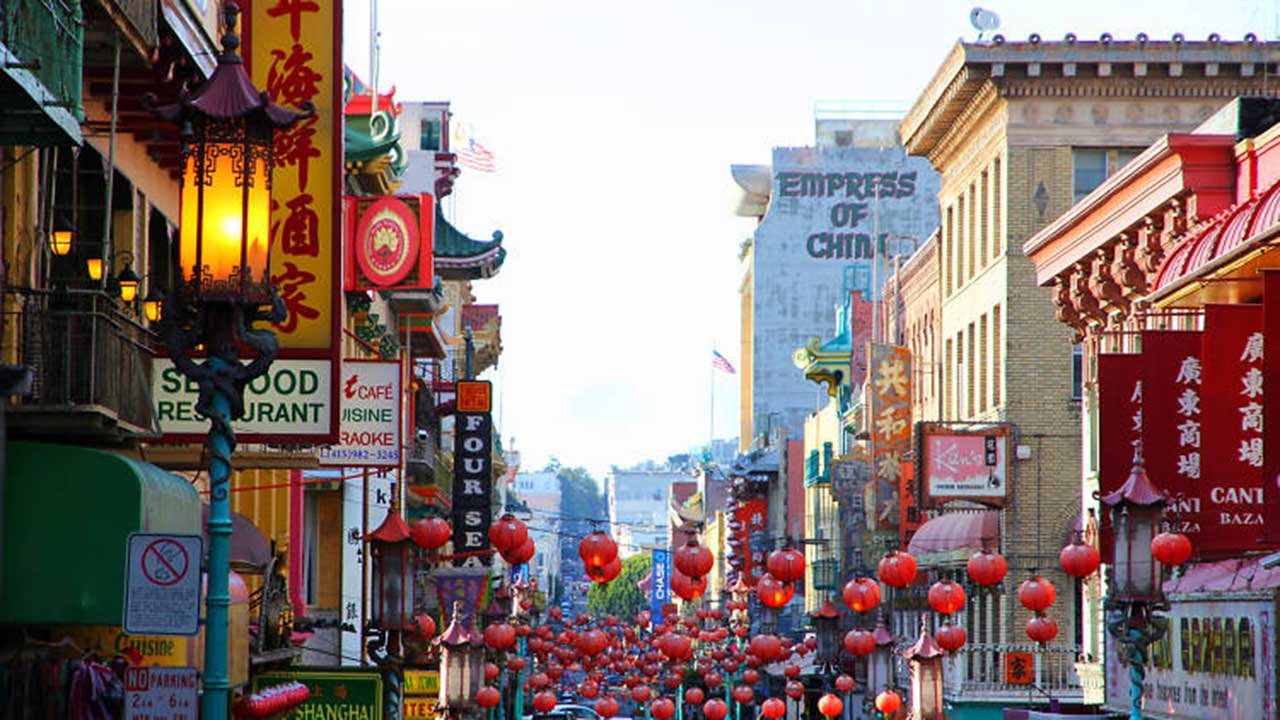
<point>1010,670</point>
<point>47,36</point>
<point>91,362</point>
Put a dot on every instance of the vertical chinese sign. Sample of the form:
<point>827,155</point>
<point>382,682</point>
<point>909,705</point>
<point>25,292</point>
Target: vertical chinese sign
<point>1271,408</point>
<point>889,417</point>
<point>660,585</point>
<point>751,515</point>
<point>295,54</point>
<point>1172,421</point>
<point>1231,456</point>
<point>1119,430</point>
<point>472,474</point>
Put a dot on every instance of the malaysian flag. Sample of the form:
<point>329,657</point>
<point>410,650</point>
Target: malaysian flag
<point>477,157</point>
<point>721,363</point>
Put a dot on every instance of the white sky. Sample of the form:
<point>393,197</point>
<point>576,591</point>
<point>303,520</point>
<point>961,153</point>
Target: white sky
<point>614,125</point>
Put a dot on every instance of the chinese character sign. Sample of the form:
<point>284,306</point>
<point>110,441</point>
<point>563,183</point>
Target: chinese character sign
<point>660,588</point>
<point>1119,429</point>
<point>751,516</point>
<point>294,54</point>
<point>1271,409</point>
<point>1231,406</point>
<point>889,418</point>
<point>1172,420</point>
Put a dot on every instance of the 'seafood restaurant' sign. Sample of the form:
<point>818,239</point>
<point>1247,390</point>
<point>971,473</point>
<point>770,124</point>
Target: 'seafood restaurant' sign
<point>292,400</point>
<point>369,420</point>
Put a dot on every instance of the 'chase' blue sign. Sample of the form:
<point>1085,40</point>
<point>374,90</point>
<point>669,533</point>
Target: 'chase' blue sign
<point>660,591</point>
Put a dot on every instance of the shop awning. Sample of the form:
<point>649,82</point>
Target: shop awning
<point>68,512</point>
<point>249,547</point>
<point>1226,575</point>
<point>955,536</point>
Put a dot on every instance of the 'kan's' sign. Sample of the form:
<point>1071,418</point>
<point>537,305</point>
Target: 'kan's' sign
<point>472,475</point>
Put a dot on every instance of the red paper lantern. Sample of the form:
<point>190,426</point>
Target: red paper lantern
<point>773,708</point>
<point>766,647</point>
<point>607,707</point>
<point>521,554</point>
<point>1036,594</point>
<point>662,709</point>
<point>1079,560</point>
<point>786,565</point>
<point>791,671</point>
<point>488,697</point>
<point>507,533</point>
<point>589,689</point>
<point>772,592</point>
<point>712,679</point>
<point>430,533</point>
<point>606,574</point>
<point>861,594</point>
<point>1171,548</point>
<point>426,626</point>
<point>1042,628</point>
<point>844,683</point>
<point>640,693</point>
<point>693,695</point>
<point>743,694</point>
<point>946,597</point>
<point>714,709</point>
<point>795,689</point>
<point>687,588</point>
<point>898,569</point>
<point>987,567</point>
<point>515,664</point>
<point>500,636</point>
<point>888,702</point>
<point>859,642</point>
<point>597,549</point>
<point>538,681</point>
<point>491,671</point>
<point>544,701</point>
<point>693,559</point>
<point>950,637</point>
<point>830,705</point>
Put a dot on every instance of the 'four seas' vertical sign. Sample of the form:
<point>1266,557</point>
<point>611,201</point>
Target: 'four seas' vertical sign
<point>472,474</point>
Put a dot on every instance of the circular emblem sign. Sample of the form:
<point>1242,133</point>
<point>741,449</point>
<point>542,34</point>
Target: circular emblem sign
<point>387,241</point>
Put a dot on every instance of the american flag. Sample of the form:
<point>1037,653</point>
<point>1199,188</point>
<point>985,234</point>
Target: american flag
<point>477,157</point>
<point>721,363</point>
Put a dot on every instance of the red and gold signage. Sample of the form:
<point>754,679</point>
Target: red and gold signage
<point>751,516</point>
<point>1019,668</point>
<point>1119,429</point>
<point>294,53</point>
<point>1271,410</point>
<point>889,418</point>
<point>475,396</point>
<point>1172,422</point>
<point>389,242</point>
<point>1231,507</point>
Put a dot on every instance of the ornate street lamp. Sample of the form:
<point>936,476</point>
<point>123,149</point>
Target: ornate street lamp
<point>228,128</point>
<point>461,663</point>
<point>925,657</point>
<point>391,549</point>
<point>826,620</point>
<point>880,673</point>
<point>1134,607</point>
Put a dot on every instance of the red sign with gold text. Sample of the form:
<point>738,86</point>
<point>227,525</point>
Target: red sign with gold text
<point>294,53</point>
<point>1172,422</point>
<point>1231,405</point>
<point>389,241</point>
<point>1271,408</point>
<point>1119,430</point>
<point>751,516</point>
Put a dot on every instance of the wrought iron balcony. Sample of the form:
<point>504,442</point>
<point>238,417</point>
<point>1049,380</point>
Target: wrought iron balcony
<point>91,362</point>
<point>998,671</point>
<point>41,58</point>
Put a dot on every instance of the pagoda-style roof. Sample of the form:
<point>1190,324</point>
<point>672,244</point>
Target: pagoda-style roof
<point>373,159</point>
<point>459,257</point>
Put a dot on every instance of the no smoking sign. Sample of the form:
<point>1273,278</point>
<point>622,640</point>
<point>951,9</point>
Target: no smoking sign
<point>162,584</point>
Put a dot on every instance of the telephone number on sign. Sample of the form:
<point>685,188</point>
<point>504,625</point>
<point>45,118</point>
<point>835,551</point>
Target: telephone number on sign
<point>359,454</point>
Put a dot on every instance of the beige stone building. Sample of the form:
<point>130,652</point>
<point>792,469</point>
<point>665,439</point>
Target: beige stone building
<point>1019,132</point>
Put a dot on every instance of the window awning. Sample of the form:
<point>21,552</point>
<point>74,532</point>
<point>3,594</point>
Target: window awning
<point>955,536</point>
<point>250,549</point>
<point>68,513</point>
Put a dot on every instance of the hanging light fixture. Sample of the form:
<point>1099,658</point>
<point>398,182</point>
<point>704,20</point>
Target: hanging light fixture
<point>94,266</point>
<point>151,304</point>
<point>60,237</point>
<point>128,281</point>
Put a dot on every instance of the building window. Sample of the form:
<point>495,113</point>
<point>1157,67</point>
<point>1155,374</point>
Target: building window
<point>972,235</point>
<point>984,196</point>
<point>948,261</point>
<point>961,241</point>
<point>431,131</point>
<point>1077,371</point>
<point>996,351</point>
<point>997,181</point>
<point>973,360</point>
<point>1089,170</point>
<point>947,382</point>
<point>982,363</point>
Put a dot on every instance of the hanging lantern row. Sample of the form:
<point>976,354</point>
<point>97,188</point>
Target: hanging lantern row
<point>897,569</point>
<point>987,568</point>
<point>861,594</point>
<point>273,700</point>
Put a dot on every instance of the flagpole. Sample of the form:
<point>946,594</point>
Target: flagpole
<point>711,429</point>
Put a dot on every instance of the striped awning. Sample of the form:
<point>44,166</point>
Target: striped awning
<point>955,536</point>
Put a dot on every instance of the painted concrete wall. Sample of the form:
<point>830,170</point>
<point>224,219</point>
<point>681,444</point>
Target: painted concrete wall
<point>814,246</point>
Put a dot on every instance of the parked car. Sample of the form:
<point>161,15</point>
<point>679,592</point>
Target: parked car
<point>568,711</point>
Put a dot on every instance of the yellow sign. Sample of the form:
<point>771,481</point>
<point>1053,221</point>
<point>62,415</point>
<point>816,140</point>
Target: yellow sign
<point>293,54</point>
<point>161,650</point>
<point>421,682</point>
<point>419,708</point>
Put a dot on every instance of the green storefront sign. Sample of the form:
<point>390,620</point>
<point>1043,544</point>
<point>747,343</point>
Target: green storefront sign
<point>335,694</point>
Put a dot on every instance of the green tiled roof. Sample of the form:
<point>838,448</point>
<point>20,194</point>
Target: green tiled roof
<point>458,256</point>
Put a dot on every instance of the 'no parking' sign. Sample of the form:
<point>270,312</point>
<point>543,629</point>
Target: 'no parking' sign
<point>162,584</point>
